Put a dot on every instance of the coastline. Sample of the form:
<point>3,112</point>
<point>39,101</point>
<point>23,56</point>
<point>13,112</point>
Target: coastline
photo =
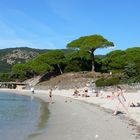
<point>64,100</point>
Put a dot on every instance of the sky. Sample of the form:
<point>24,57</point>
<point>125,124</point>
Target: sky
<point>52,24</point>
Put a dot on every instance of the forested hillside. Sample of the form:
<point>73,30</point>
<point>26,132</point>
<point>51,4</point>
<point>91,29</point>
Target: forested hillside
<point>11,56</point>
<point>19,64</point>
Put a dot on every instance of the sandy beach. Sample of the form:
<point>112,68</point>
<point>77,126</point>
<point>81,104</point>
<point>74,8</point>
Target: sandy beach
<point>87,118</point>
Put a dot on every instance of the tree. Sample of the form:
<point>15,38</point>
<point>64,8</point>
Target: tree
<point>21,71</point>
<point>40,67</point>
<point>55,59</point>
<point>90,44</point>
<point>79,59</point>
<point>115,60</point>
<point>129,73</point>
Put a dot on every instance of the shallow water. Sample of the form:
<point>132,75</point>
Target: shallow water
<point>21,117</point>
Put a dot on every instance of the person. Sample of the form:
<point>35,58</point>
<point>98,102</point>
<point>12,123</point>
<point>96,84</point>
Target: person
<point>32,90</point>
<point>50,95</point>
<point>118,95</point>
<point>132,104</point>
<point>85,92</point>
<point>97,93</point>
<point>76,92</point>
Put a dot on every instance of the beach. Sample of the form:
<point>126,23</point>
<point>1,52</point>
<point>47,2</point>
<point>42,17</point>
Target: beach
<point>86,118</point>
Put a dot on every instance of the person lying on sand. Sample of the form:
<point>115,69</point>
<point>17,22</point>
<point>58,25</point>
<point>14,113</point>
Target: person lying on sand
<point>132,104</point>
<point>76,92</point>
<point>85,94</point>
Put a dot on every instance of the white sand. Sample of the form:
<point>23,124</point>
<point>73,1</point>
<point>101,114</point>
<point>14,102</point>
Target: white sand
<point>103,102</point>
<point>134,112</point>
<point>78,120</point>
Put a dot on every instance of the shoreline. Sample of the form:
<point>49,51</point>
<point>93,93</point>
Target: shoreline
<point>104,105</point>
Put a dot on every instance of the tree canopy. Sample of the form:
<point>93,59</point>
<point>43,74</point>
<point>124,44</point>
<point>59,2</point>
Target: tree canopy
<point>90,44</point>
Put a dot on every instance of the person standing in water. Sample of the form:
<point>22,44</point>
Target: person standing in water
<point>32,90</point>
<point>50,95</point>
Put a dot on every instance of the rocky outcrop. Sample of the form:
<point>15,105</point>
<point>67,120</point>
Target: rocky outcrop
<point>18,56</point>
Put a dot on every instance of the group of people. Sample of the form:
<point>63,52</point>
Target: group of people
<point>50,93</point>
<point>84,92</point>
<point>117,95</point>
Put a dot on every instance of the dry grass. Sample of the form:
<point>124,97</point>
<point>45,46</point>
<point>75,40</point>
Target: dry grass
<point>69,80</point>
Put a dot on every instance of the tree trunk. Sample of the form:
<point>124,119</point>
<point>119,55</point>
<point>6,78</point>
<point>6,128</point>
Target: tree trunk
<point>59,68</point>
<point>92,59</point>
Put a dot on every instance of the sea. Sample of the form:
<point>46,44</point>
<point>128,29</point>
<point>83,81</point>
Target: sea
<point>22,117</point>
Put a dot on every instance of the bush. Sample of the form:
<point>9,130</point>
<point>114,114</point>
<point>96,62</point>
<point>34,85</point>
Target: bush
<point>107,82</point>
<point>73,66</point>
<point>100,82</point>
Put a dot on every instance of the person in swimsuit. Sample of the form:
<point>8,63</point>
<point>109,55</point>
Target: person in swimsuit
<point>50,95</point>
<point>118,95</point>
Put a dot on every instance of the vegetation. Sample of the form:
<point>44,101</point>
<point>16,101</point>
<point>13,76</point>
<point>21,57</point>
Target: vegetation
<point>107,81</point>
<point>90,44</point>
<point>124,65</point>
<point>11,56</point>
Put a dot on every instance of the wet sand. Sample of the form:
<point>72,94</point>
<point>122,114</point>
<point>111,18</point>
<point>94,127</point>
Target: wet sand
<point>72,120</point>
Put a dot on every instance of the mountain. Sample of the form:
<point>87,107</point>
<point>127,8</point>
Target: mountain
<point>11,56</point>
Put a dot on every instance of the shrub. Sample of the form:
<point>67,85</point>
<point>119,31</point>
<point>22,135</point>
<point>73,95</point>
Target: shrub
<point>73,66</point>
<point>100,82</point>
<point>107,82</point>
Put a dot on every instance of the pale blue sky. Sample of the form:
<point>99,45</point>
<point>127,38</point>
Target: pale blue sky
<point>51,24</point>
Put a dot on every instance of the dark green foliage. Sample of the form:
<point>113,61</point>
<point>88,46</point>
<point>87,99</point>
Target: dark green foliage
<point>54,59</point>
<point>114,60</point>
<point>107,81</point>
<point>47,62</point>
<point>133,54</point>
<point>22,72</point>
<point>78,59</point>
<point>8,54</point>
<point>117,60</point>
<point>4,67</point>
<point>98,63</point>
<point>90,44</point>
<point>73,66</point>
<point>40,67</point>
<point>4,77</point>
<point>129,73</point>
<point>130,69</point>
<point>125,63</point>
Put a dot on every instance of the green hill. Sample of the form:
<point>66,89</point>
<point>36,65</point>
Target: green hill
<point>11,56</point>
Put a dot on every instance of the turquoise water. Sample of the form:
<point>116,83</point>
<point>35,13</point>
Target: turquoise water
<point>21,117</point>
